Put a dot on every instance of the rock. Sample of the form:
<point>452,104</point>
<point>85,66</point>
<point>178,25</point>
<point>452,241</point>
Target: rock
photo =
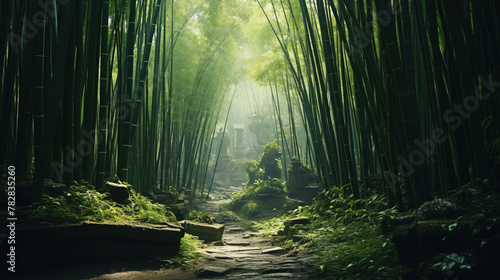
<point>165,198</point>
<point>46,247</point>
<point>53,189</point>
<point>297,221</point>
<point>180,210</point>
<point>405,239</point>
<point>228,249</point>
<point>273,250</point>
<point>207,232</point>
<point>279,275</point>
<point>292,222</point>
<point>438,209</point>
<point>245,275</point>
<point>212,271</point>
<point>298,238</point>
<point>219,243</point>
<point>234,229</point>
<point>277,270</point>
<point>119,192</point>
<point>424,240</point>
<point>300,176</point>
<point>253,265</point>
<point>403,220</point>
<point>238,243</point>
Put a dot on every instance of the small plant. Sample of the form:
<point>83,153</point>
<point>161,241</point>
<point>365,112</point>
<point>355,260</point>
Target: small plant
<point>451,266</point>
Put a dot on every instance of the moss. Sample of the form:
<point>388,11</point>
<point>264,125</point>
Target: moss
<point>188,252</point>
<point>249,210</point>
<point>269,160</point>
<point>83,203</point>
<point>201,216</point>
<point>264,199</point>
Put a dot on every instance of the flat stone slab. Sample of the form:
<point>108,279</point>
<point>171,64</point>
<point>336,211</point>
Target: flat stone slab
<point>309,260</point>
<point>234,229</point>
<point>228,249</point>
<point>223,257</point>
<point>212,271</point>
<point>237,256</point>
<point>207,232</point>
<point>244,275</point>
<point>219,243</point>
<point>237,243</point>
<point>280,275</point>
<point>274,270</point>
<point>46,246</point>
<point>273,250</point>
<point>297,221</point>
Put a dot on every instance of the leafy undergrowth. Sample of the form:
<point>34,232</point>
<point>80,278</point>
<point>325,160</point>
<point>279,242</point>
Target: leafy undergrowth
<point>188,252</point>
<point>83,203</point>
<point>345,233</point>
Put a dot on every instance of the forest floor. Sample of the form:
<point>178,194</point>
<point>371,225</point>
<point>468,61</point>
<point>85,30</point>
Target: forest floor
<point>243,254</point>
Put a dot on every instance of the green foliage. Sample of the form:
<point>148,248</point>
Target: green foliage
<point>450,266</point>
<point>336,204</point>
<point>271,226</point>
<point>82,203</point>
<point>355,251</point>
<point>188,252</point>
<point>347,235</point>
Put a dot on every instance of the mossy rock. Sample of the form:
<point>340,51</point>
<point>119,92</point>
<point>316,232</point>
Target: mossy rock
<point>438,209</point>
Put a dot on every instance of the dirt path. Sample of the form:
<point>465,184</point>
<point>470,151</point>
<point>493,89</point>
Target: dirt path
<point>241,255</point>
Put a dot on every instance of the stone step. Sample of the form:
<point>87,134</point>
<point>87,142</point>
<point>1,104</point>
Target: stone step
<point>206,232</point>
<point>47,246</point>
<point>273,250</point>
<point>237,242</point>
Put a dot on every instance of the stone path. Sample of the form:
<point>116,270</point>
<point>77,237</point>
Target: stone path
<point>241,255</point>
<point>246,255</point>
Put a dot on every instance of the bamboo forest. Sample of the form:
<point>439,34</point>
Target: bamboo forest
<point>250,139</point>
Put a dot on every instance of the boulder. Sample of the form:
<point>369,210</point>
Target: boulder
<point>119,192</point>
<point>180,210</point>
<point>292,222</point>
<point>207,232</point>
<point>46,247</point>
<point>438,209</point>
<point>297,221</point>
<point>300,176</point>
<point>165,198</point>
<point>53,189</point>
<point>424,240</point>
